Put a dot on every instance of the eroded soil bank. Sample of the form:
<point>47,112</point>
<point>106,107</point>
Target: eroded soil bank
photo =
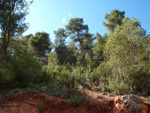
<point>93,102</point>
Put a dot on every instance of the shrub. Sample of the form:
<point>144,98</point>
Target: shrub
<point>26,70</point>
<point>118,86</point>
<point>141,80</point>
<point>75,99</point>
<point>81,61</point>
<point>40,107</point>
<point>6,74</point>
<point>103,71</point>
<point>105,88</point>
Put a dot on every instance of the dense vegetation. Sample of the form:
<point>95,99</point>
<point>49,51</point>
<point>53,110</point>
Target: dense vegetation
<point>118,62</point>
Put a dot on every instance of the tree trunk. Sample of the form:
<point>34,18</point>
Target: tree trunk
<point>73,82</point>
<point>5,45</point>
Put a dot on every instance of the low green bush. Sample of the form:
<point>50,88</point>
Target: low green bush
<point>40,107</point>
<point>118,86</point>
<point>75,99</point>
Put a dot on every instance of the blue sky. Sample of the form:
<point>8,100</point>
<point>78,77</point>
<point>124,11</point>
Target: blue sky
<point>49,15</point>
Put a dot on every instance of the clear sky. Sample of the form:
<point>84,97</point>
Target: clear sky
<point>49,15</point>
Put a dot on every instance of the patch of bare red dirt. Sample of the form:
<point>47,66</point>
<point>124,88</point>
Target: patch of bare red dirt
<point>27,103</point>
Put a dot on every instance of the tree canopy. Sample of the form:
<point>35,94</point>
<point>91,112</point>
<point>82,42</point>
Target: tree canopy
<point>113,19</point>
<point>41,43</point>
<point>77,30</point>
<point>116,62</point>
<point>12,20</point>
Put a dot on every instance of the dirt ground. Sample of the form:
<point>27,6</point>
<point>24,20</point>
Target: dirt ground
<point>93,102</point>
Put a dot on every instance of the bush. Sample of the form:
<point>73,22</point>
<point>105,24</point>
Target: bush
<point>60,73</point>
<point>81,61</point>
<point>26,70</point>
<point>141,81</point>
<point>118,86</point>
<point>46,76</point>
<point>65,76</point>
<point>6,74</point>
<point>40,107</point>
<point>75,99</point>
<point>102,73</point>
<point>105,88</point>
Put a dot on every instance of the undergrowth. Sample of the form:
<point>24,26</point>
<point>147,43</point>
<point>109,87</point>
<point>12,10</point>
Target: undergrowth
<point>40,107</point>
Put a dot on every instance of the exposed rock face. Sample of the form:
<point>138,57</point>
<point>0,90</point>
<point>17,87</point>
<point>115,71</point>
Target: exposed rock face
<point>80,52</point>
<point>130,104</point>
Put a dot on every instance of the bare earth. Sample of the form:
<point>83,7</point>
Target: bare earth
<point>93,102</point>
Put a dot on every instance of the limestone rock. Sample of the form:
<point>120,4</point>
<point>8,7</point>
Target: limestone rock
<point>130,104</point>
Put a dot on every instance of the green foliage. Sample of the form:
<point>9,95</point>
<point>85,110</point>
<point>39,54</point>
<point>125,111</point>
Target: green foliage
<point>61,73</point>
<point>85,71</point>
<point>72,46</point>
<point>118,86</point>
<point>41,44</point>
<point>40,107</point>
<point>64,54</point>
<point>60,36</point>
<point>12,20</point>
<point>87,43</point>
<point>141,80</point>
<point>114,18</point>
<point>28,37</point>
<point>79,33</point>
<point>103,71</point>
<point>120,63</point>
<point>125,51</point>
<point>77,28</point>
<point>75,99</point>
<point>20,71</point>
<point>81,61</point>
<point>21,68</point>
<point>94,63</point>
<point>6,74</point>
<point>26,70</point>
<point>64,75</point>
<point>91,76</point>
<point>22,46</point>
<point>99,46</point>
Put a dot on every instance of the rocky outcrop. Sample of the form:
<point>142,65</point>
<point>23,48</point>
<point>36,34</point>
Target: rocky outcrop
<point>130,104</point>
<point>80,52</point>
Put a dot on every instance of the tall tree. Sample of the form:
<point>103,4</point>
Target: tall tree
<point>60,37</point>
<point>77,30</point>
<point>125,50</point>
<point>60,47</point>
<point>12,20</point>
<point>87,41</point>
<point>28,37</point>
<point>65,54</point>
<point>98,48</point>
<point>114,18</point>
<point>72,46</point>
<point>22,46</point>
<point>41,43</point>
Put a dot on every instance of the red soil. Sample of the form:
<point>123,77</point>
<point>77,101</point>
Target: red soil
<point>26,103</point>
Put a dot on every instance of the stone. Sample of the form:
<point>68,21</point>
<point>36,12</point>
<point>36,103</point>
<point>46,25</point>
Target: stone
<point>130,103</point>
